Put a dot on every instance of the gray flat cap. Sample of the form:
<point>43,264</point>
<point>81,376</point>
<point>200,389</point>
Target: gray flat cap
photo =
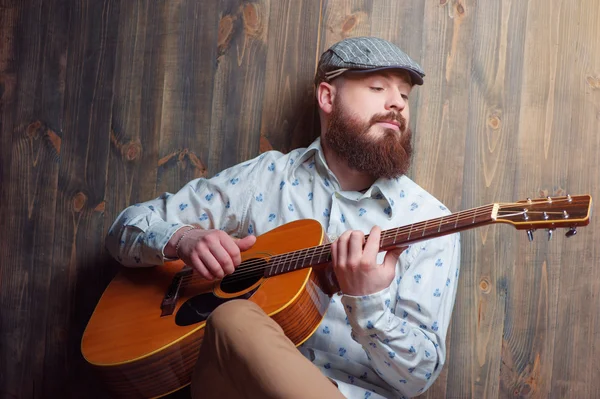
<point>365,54</point>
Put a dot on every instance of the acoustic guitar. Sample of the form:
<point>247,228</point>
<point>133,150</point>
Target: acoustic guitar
<point>145,333</point>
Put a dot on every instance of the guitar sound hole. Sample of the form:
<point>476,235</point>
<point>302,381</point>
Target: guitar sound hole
<point>246,275</point>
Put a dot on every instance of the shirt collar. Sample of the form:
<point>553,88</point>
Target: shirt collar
<point>315,151</point>
<point>389,190</point>
<point>383,188</point>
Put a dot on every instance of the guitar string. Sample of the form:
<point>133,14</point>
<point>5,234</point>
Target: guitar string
<point>250,268</point>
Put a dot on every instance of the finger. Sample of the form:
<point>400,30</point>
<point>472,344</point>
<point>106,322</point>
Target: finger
<point>246,243</point>
<point>223,257</point>
<point>235,246</point>
<point>372,245</point>
<point>391,257</point>
<point>197,264</point>
<point>212,265</point>
<point>355,248</point>
<point>228,244</point>
<point>341,249</point>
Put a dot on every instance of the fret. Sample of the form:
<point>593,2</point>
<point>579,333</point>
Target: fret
<point>409,232</point>
<point>312,252</point>
<point>456,222</point>
<point>424,229</point>
<point>299,258</point>
<point>282,263</point>
<point>440,226</point>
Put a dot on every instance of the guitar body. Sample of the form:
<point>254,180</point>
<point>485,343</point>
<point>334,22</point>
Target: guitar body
<point>139,353</point>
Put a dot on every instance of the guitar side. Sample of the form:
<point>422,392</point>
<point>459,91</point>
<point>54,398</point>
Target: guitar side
<point>138,353</point>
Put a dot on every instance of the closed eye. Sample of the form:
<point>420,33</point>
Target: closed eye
<point>375,88</point>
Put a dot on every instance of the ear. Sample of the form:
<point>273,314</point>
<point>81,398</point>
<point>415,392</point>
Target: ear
<point>325,96</point>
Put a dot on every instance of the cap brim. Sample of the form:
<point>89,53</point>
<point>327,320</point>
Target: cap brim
<point>416,77</point>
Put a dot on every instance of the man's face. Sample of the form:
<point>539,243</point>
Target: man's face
<point>368,124</point>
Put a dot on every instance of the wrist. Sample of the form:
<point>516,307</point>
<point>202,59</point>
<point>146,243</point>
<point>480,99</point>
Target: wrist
<point>172,248</point>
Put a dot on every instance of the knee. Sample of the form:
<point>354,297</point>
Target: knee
<point>232,313</point>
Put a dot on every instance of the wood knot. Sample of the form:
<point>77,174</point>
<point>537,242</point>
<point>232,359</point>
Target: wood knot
<point>100,207</point>
<point>349,24</point>
<point>484,285</point>
<point>460,9</point>
<point>252,19</point>
<point>35,129</point>
<point>179,158</point>
<point>593,82</point>
<point>525,390</point>
<point>494,122</point>
<point>79,201</point>
<point>132,150</point>
<point>225,32</point>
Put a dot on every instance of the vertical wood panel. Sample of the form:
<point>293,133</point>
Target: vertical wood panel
<point>577,123</point>
<point>137,108</point>
<point>489,177</point>
<point>32,76</point>
<point>190,55</point>
<point>288,114</point>
<point>530,320</point>
<point>239,82</point>
<point>80,201</point>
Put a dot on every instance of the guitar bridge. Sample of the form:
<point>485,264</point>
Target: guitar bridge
<point>174,292</point>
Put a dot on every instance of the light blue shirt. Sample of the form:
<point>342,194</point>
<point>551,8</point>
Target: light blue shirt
<point>384,345</point>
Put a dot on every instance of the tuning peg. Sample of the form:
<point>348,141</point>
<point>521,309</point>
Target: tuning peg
<point>550,231</point>
<point>530,235</point>
<point>572,231</point>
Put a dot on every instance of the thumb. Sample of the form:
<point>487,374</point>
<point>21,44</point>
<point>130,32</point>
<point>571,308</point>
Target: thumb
<point>391,257</point>
<point>245,243</point>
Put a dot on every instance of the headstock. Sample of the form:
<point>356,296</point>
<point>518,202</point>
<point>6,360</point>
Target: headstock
<point>549,213</point>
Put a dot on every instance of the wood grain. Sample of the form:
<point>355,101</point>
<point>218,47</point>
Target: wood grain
<point>109,103</point>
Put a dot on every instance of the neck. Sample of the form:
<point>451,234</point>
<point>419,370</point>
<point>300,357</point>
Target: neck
<point>349,179</point>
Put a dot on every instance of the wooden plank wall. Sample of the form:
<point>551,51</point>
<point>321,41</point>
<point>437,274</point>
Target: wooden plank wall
<point>109,102</point>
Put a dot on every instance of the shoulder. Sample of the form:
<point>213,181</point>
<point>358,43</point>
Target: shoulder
<point>419,200</point>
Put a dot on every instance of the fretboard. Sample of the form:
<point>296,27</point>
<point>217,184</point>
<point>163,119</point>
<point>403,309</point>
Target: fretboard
<point>390,239</point>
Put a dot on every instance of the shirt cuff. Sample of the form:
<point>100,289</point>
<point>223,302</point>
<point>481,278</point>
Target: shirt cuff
<point>369,314</point>
<point>157,236</point>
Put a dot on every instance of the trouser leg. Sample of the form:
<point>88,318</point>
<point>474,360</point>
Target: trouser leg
<point>245,354</point>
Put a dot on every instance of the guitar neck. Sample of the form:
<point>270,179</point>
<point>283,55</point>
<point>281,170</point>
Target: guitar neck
<point>390,239</point>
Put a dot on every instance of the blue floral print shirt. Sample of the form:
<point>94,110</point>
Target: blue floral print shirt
<point>390,344</point>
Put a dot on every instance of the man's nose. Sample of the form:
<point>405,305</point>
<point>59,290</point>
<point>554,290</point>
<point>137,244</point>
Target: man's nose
<point>396,101</point>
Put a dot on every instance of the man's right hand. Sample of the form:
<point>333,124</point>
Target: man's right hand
<point>212,253</point>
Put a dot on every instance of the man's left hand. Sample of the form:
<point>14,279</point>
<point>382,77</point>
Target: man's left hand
<point>355,263</point>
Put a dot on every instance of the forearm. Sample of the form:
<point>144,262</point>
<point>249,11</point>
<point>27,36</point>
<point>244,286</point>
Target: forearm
<point>404,354</point>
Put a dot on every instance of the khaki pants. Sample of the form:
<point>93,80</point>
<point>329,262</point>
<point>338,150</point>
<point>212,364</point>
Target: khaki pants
<point>245,354</point>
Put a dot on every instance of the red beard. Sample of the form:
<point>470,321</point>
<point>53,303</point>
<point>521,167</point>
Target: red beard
<point>385,156</point>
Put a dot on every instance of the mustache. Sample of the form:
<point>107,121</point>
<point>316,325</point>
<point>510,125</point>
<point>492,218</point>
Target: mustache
<point>390,116</point>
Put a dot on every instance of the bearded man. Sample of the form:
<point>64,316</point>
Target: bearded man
<point>384,333</point>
